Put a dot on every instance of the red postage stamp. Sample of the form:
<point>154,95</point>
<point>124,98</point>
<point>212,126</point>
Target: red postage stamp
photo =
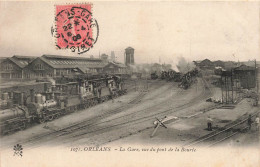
<point>75,28</point>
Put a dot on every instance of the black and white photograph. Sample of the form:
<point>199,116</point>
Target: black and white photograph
<point>129,83</point>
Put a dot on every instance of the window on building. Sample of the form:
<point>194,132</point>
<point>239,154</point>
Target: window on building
<point>16,75</point>
<point>50,74</point>
<point>61,72</point>
<point>8,67</point>
<point>40,74</point>
<point>38,67</point>
<point>5,75</point>
<point>27,75</point>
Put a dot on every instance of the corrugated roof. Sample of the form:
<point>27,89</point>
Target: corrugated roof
<point>72,63</point>
<point>24,57</point>
<point>21,64</point>
<point>20,61</point>
<point>70,57</point>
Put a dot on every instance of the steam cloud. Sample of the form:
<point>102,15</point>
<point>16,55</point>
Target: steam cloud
<point>184,65</point>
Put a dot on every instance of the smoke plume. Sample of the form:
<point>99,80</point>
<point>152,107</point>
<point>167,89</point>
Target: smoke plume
<point>185,65</point>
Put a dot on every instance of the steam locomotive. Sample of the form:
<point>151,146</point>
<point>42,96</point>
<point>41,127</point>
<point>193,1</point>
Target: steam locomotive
<point>185,79</point>
<point>55,101</point>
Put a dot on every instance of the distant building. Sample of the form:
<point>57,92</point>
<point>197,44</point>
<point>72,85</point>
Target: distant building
<point>115,68</point>
<point>24,67</point>
<point>209,65</point>
<point>57,66</point>
<point>246,76</point>
<point>228,65</point>
<point>129,56</point>
<point>13,67</point>
<point>219,63</point>
<point>218,70</point>
<point>196,63</point>
<point>205,64</point>
<point>104,57</point>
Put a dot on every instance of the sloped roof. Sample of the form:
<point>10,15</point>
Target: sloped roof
<point>21,64</point>
<point>244,68</point>
<point>110,63</point>
<point>20,61</point>
<point>219,63</point>
<point>75,62</point>
<point>197,61</point>
<point>249,63</point>
<point>70,57</point>
<point>24,57</point>
<point>206,61</point>
<point>83,69</point>
<point>118,64</point>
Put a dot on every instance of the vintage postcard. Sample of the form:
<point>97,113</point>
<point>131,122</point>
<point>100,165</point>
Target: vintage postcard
<point>129,83</point>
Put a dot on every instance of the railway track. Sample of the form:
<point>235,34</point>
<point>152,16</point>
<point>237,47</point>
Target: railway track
<point>220,135</point>
<point>142,119</point>
<point>91,126</point>
<point>90,121</point>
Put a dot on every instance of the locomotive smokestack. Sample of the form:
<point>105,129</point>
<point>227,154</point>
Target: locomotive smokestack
<point>32,93</point>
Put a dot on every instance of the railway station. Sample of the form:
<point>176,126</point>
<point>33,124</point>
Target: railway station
<point>99,101</point>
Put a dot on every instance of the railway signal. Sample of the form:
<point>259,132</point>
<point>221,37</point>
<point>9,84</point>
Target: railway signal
<point>158,123</point>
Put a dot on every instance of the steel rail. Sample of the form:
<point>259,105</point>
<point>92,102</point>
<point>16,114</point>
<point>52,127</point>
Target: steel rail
<point>220,132</point>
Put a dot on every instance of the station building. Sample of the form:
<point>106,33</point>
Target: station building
<point>56,66</point>
<point>13,67</point>
<point>115,68</point>
<point>24,67</point>
<point>204,64</point>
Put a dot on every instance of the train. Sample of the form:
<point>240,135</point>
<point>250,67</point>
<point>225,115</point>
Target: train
<point>185,79</point>
<point>22,109</point>
<point>154,75</point>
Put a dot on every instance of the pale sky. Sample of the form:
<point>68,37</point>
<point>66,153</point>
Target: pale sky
<point>194,30</point>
